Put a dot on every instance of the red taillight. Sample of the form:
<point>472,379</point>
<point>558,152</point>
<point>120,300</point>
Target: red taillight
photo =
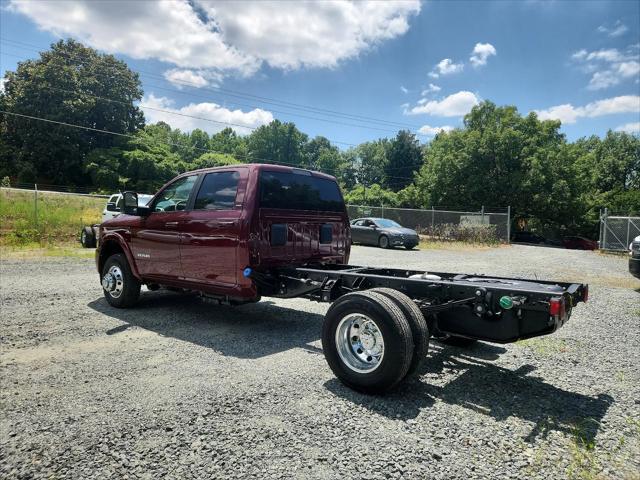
<point>556,307</point>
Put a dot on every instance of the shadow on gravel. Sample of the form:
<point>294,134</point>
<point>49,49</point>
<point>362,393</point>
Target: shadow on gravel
<point>489,390</point>
<point>247,331</point>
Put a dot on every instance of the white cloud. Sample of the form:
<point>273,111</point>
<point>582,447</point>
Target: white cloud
<point>3,80</point>
<point>431,89</point>
<point>225,36</point>
<point>567,113</point>
<point>454,105</point>
<point>608,67</point>
<point>446,66</point>
<point>404,90</point>
<point>181,78</point>
<point>616,30</point>
<point>633,127</point>
<point>481,52</point>
<point>431,131</point>
<point>182,118</point>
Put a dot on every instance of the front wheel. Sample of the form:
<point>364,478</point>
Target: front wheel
<point>383,241</point>
<point>87,238</point>
<point>120,287</point>
<point>367,342</point>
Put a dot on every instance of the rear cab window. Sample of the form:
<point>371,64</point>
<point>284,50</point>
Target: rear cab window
<point>218,191</point>
<point>299,190</point>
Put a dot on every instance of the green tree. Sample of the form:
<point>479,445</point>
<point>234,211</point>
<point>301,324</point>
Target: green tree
<point>370,159</point>
<point>213,159</point>
<point>229,142</point>
<point>373,195</point>
<point>501,158</point>
<point>404,157</point>
<point>277,142</point>
<point>68,83</point>
<point>149,161</point>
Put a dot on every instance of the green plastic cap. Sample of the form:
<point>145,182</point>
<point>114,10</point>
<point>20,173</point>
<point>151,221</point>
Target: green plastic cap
<point>506,302</point>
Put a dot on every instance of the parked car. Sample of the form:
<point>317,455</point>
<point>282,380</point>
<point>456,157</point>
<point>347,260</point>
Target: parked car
<point>383,233</point>
<point>634,259</point>
<point>527,237</point>
<point>112,209</point>
<point>579,243</point>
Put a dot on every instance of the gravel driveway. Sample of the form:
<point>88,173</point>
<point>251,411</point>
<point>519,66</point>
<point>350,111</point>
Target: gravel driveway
<point>185,389</point>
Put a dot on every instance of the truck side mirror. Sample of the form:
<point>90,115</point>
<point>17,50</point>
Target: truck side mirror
<point>130,205</point>
<point>111,207</point>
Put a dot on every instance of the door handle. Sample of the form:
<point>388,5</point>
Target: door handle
<point>226,224</point>
<point>171,224</point>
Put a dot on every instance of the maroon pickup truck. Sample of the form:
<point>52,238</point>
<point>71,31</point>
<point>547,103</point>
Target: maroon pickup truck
<point>234,234</point>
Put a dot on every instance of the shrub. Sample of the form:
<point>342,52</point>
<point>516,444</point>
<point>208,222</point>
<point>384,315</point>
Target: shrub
<point>471,233</point>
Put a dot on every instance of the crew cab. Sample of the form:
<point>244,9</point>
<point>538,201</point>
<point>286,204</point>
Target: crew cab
<point>237,233</point>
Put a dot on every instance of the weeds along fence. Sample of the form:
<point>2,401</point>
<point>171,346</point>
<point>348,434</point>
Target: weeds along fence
<point>486,225</point>
<point>36,216</point>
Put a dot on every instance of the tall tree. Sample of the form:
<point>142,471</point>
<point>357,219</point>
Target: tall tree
<point>277,142</point>
<point>69,83</point>
<point>404,158</point>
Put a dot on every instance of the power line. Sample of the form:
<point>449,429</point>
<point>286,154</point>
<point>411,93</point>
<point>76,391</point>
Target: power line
<point>266,100</point>
<point>257,97</point>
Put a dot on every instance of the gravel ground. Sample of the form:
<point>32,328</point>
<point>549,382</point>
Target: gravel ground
<point>185,389</point>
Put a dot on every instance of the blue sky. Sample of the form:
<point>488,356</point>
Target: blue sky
<point>420,65</point>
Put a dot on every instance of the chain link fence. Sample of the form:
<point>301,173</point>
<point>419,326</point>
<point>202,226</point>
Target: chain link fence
<point>616,231</point>
<point>437,219</point>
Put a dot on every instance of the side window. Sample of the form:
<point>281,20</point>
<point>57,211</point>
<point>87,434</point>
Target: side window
<point>175,197</point>
<point>218,191</point>
<point>359,223</point>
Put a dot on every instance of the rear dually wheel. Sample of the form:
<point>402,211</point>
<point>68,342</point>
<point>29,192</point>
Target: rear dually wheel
<point>367,342</point>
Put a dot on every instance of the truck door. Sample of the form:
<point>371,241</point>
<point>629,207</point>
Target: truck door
<point>156,243</point>
<point>211,231</point>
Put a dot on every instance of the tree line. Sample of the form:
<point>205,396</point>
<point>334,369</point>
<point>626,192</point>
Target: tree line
<point>97,138</point>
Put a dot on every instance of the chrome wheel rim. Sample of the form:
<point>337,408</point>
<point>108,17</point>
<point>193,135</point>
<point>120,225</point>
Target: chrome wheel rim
<point>113,282</point>
<point>384,242</point>
<point>359,343</point>
<point>83,237</point>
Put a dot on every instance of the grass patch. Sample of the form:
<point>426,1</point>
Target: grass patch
<point>58,218</point>
<point>428,244</point>
<point>35,250</point>
<point>544,347</point>
<point>584,464</point>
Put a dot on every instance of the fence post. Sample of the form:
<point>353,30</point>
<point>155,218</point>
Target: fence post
<point>509,224</point>
<point>432,216</point>
<point>604,235</point>
<point>35,203</point>
<point>628,226</point>
<point>382,206</point>
<point>482,212</point>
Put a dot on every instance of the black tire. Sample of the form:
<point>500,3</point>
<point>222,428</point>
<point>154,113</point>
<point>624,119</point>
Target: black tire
<point>394,329</point>
<point>456,341</point>
<point>409,247</point>
<point>125,283</point>
<point>417,323</point>
<point>87,238</point>
<point>383,241</point>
